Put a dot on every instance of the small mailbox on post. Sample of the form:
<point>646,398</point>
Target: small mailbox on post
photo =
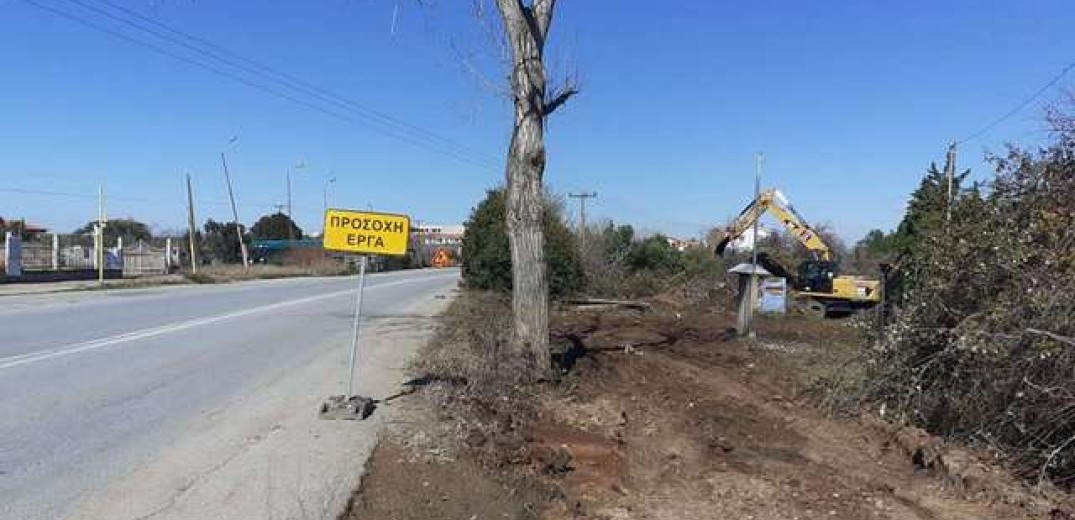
<point>748,276</point>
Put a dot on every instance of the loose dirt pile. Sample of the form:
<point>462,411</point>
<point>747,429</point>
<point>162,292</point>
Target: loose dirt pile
<point>669,417</point>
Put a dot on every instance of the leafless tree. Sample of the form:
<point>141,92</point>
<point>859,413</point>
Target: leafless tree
<point>526,26</point>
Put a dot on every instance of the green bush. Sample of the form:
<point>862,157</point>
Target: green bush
<point>655,254</point>
<point>702,262</point>
<point>486,255</point>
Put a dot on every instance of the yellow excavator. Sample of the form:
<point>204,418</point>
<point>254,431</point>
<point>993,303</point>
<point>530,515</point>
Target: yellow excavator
<point>816,284</point>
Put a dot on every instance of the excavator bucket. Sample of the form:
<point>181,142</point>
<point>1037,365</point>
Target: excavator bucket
<point>723,238</point>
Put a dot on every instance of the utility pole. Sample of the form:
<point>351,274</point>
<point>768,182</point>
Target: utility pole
<point>758,158</point>
<point>582,214</point>
<point>190,228</point>
<point>235,213</point>
<point>950,173</point>
<point>290,232</point>
<point>100,232</point>
<point>327,184</point>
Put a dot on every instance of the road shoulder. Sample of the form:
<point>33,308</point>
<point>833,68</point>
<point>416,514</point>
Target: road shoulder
<point>265,454</point>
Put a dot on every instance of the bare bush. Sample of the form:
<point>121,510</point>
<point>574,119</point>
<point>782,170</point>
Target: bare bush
<point>618,265</point>
<point>477,378</point>
<point>984,345</point>
<point>603,255</point>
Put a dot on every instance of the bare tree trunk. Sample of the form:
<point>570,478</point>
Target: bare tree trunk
<point>527,25</point>
<point>526,208</point>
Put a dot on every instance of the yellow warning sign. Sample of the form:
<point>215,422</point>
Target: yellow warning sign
<point>366,232</point>
<point>442,258</point>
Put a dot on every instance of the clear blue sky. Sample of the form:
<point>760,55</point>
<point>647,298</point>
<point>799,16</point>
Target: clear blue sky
<point>849,101</point>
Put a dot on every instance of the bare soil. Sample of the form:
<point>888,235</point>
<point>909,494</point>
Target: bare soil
<point>403,484</point>
<point>668,416</point>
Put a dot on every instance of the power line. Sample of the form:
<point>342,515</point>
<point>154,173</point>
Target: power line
<point>138,200</point>
<point>23,191</point>
<point>391,132</point>
<point>1023,104</point>
<point>220,54</point>
<point>646,214</point>
<point>263,70</point>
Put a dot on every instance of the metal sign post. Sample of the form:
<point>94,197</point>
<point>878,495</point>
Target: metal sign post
<point>354,334</point>
<point>365,233</point>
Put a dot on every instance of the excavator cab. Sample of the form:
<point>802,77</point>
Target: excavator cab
<point>815,276</point>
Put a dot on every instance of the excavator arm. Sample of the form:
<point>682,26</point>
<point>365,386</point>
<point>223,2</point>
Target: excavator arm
<point>776,203</point>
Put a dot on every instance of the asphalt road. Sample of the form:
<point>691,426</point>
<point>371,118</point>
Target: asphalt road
<point>95,385</point>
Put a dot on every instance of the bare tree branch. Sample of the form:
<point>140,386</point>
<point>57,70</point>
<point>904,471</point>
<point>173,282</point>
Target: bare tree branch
<point>559,98</point>
<point>513,13</point>
<point>492,33</point>
<point>468,65</point>
<point>543,10</point>
<point>1052,335</point>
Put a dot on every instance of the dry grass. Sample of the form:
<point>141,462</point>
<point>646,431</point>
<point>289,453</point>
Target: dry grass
<point>237,273</point>
<point>476,379</point>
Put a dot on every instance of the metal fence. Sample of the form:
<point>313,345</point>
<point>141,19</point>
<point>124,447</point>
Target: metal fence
<point>36,256</point>
<point>75,258</point>
<point>57,253</point>
<point>143,261</point>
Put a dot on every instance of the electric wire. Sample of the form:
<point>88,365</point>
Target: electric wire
<point>119,199</point>
<point>324,93</point>
<point>454,154</point>
<point>1017,108</point>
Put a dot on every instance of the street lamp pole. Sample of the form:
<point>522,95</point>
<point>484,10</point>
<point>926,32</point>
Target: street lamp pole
<point>297,166</point>
<point>758,158</point>
<point>327,184</point>
<point>290,215</point>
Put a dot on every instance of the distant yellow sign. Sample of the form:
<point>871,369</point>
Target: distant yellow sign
<point>366,232</point>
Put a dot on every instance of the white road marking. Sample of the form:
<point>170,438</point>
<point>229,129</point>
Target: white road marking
<point>67,350</point>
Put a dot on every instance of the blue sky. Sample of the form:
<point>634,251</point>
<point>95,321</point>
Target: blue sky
<point>849,101</point>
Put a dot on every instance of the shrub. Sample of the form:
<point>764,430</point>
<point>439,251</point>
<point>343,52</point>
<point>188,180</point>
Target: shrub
<point>654,254</point>
<point>982,347</point>
<point>604,258</point>
<point>486,255</point>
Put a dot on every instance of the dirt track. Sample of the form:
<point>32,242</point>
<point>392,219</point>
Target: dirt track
<point>669,418</point>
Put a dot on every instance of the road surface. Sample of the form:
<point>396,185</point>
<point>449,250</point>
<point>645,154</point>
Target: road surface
<point>197,401</point>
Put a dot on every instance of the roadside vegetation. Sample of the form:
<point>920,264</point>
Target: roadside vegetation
<point>981,345</point>
<point>955,403</point>
<point>229,273</point>
<point>613,263</point>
